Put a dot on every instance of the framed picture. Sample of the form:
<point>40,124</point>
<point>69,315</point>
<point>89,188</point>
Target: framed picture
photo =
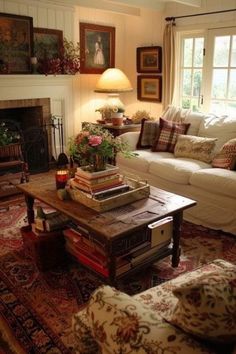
<point>149,60</point>
<point>97,48</point>
<point>16,44</point>
<point>48,43</point>
<point>149,88</point>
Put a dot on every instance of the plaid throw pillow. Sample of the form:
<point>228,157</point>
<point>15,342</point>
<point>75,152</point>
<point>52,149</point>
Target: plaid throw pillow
<point>226,157</point>
<point>168,134</point>
<point>148,133</point>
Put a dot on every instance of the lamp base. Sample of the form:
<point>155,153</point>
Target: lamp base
<point>113,99</point>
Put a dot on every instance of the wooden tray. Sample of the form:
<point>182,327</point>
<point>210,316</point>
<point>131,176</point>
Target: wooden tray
<point>139,190</point>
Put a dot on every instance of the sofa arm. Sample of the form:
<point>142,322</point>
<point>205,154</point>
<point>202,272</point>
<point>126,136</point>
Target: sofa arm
<point>131,138</point>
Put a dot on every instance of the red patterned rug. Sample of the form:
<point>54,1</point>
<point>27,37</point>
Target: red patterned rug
<point>36,308</point>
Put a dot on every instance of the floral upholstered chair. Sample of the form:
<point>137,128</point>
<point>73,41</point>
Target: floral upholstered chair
<point>194,313</point>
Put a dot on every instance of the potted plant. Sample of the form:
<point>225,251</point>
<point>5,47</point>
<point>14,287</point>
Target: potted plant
<point>117,115</point>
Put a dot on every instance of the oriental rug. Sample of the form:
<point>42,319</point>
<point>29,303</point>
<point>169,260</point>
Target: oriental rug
<point>36,307</point>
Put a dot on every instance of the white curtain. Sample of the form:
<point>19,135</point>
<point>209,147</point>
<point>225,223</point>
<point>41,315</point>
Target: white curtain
<point>168,64</point>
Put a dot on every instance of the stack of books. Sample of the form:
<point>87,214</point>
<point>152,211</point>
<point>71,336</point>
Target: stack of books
<point>85,249</point>
<point>100,184</point>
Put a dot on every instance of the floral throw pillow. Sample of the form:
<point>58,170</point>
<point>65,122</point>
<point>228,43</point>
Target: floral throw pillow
<point>195,147</point>
<point>168,134</point>
<point>206,306</point>
<point>148,133</point>
<point>226,157</point>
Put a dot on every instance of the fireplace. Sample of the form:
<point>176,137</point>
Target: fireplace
<point>33,117</point>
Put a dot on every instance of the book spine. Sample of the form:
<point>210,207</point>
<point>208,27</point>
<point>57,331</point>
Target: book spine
<point>95,181</point>
<point>88,262</point>
<point>97,188</point>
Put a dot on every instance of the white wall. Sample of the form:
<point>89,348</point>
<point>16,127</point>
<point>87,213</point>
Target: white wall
<point>77,91</point>
<point>131,32</point>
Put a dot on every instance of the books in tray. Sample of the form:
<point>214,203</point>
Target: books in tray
<point>129,191</point>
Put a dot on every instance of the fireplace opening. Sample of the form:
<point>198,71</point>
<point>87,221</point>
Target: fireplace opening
<point>32,118</point>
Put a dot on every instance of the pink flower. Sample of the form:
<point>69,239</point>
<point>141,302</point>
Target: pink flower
<point>95,140</point>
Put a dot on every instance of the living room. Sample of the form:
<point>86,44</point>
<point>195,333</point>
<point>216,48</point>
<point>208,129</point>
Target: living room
<point>45,302</point>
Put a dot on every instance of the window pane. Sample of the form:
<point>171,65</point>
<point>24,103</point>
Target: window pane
<point>221,51</point>
<point>232,85</point>
<point>188,52</point>
<point>194,104</point>
<point>197,82</point>
<point>186,103</point>
<point>233,54</point>
<point>187,82</point>
<point>198,54</point>
<point>218,108</point>
<point>219,83</point>
<point>231,109</point>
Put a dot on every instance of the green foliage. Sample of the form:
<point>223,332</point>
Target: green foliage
<point>6,136</point>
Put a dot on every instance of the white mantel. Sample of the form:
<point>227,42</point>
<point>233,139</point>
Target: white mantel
<point>58,88</point>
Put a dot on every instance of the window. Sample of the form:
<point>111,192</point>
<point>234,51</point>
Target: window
<point>208,83</point>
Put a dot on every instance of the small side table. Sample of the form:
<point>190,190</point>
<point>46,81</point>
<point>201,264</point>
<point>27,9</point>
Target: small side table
<point>118,130</point>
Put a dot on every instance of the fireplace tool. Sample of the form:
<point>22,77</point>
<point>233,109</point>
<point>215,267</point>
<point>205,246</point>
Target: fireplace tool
<point>62,159</point>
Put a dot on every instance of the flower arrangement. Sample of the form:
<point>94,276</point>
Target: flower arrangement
<point>6,136</point>
<point>95,144</point>
<point>107,110</point>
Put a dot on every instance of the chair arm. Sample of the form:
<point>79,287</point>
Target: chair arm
<point>131,138</point>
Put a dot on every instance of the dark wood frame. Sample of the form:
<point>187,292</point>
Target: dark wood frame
<point>149,59</point>
<point>44,33</point>
<point>16,45</point>
<point>88,34</point>
<point>155,96</point>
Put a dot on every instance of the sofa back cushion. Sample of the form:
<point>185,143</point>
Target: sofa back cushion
<point>195,147</point>
<point>181,115</point>
<point>223,128</point>
<point>168,133</point>
<point>226,157</point>
<point>148,133</point>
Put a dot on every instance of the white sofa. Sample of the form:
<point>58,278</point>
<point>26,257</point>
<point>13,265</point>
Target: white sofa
<point>214,189</point>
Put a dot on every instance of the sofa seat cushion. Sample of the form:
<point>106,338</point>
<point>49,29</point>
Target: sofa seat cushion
<point>177,170</point>
<point>215,180</point>
<point>141,162</point>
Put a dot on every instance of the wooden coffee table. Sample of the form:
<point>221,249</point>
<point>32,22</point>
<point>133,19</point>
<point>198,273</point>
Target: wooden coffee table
<point>118,227</point>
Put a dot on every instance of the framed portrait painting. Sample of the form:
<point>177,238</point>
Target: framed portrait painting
<point>149,88</point>
<point>48,43</point>
<point>97,48</point>
<point>149,59</point>
<point>16,44</point>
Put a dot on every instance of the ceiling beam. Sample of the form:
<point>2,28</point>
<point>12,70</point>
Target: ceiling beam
<point>195,3</point>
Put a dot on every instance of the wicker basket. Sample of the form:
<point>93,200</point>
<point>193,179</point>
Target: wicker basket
<point>138,190</point>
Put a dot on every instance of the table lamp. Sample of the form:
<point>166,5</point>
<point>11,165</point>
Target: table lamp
<point>113,82</point>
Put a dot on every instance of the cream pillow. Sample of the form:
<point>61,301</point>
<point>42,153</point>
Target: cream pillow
<point>207,306</point>
<point>195,147</point>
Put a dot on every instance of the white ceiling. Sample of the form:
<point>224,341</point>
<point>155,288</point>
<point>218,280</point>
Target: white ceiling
<point>131,7</point>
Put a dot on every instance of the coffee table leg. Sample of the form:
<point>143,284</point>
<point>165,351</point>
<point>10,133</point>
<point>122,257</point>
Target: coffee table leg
<point>30,208</point>
<point>178,218</point>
